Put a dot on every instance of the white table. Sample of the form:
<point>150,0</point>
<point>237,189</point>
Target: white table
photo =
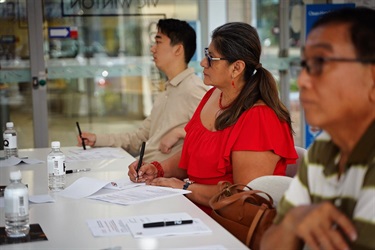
<point>64,221</point>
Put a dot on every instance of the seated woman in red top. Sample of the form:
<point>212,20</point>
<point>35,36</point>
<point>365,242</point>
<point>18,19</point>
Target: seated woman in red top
<point>240,130</point>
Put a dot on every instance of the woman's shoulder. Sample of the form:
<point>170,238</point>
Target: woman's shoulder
<point>260,108</point>
<point>259,115</point>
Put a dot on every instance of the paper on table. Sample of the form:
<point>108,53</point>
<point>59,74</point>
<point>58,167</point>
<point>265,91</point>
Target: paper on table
<point>127,225</point>
<point>121,184</point>
<point>109,227</point>
<point>198,227</point>
<point>86,186</point>
<point>13,161</point>
<point>99,153</point>
<point>138,231</point>
<point>139,194</point>
<point>34,199</point>
<point>43,198</point>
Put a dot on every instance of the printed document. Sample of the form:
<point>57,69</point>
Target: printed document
<point>139,194</point>
<point>87,186</point>
<point>99,153</point>
<point>134,226</point>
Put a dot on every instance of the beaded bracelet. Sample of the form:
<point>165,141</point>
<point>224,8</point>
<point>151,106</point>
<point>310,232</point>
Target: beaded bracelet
<point>159,168</point>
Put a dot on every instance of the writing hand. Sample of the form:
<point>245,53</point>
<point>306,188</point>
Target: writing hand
<point>146,173</point>
<point>90,139</point>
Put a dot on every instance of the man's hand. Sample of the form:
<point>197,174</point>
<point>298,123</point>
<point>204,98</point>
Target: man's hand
<point>89,138</point>
<point>170,139</point>
<point>321,226</point>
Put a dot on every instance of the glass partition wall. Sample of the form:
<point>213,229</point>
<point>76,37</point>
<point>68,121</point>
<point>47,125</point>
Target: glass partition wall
<point>100,69</point>
<point>95,66</point>
<point>15,81</point>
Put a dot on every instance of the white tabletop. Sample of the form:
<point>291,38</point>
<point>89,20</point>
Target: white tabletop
<point>64,221</point>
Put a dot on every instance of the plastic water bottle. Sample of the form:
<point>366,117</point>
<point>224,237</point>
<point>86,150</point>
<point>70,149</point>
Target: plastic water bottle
<point>56,168</point>
<point>16,203</point>
<point>10,141</point>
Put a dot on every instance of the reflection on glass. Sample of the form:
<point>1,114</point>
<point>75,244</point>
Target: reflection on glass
<point>99,68</point>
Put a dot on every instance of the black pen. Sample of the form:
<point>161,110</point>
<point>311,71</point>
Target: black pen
<point>71,171</point>
<point>140,159</point>
<point>167,223</point>
<point>80,135</point>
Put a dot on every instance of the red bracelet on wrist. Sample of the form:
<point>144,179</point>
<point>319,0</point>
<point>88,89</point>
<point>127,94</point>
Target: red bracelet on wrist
<point>159,168</point>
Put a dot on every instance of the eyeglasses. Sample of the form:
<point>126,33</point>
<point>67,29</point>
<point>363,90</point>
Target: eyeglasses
<point>314,65</point>
<point>210,58</point>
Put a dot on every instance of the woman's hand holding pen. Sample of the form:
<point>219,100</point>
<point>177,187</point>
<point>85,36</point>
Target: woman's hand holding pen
<point>146,173</point>
<point>90,139</point>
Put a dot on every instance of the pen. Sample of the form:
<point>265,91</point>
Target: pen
<point>140,159</point>
<point>71,171</point>
<point>80,135</point>
<point>167,223</point>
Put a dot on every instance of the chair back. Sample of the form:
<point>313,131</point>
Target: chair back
<point>291,169</point>
<point>274,185</point>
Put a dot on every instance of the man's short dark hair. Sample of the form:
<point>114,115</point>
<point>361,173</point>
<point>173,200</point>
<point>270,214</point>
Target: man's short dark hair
<point>180,32</point>
<point>361,23</point>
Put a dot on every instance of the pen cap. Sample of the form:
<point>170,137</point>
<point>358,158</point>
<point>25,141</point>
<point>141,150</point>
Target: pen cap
<point>55,144</point>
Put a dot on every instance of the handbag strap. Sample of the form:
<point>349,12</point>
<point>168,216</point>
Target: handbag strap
<point>255,222</point>
<point>215,203</point>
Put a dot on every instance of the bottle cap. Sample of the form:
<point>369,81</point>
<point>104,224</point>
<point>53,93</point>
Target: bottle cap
<point>15,175</point>
<point>9,124</point>
<point>55,144</point>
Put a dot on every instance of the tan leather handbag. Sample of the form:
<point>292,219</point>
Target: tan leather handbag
<point>244,213</point>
